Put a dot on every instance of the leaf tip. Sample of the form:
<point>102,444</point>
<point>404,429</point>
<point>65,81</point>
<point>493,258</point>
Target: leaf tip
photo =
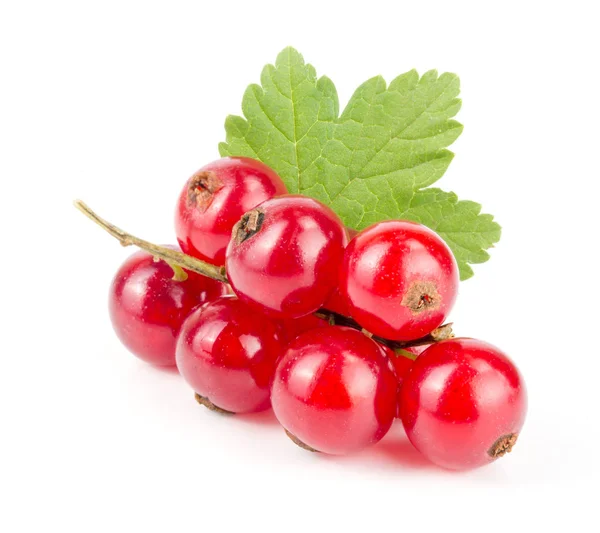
<point>465,272</point>
<point>288,56</point>
<point>224,149</point>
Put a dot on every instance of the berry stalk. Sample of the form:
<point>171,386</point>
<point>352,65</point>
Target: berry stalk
<point>438,334</point>
<point>178,260</point>
<point>173,257</point>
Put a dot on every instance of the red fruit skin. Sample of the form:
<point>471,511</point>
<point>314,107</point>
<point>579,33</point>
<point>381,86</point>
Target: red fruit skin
<point>227,353</point>
<point>459,398</point>
<point>400,366</point>
<point>386,266</point>
<point>334,391</point>
<point>203,228</point>
<point>291,264</point>
<point>147,307</point>
<point>297,326</point>
<point>337,303</point>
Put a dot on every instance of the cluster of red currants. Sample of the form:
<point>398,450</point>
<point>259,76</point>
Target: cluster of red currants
<point>339,331</point>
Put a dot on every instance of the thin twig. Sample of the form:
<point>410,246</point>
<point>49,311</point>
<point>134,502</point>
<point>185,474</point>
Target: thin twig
<point>172,257</point>
<point>438,334</point>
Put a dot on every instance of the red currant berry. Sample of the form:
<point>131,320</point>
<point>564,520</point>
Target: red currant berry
<point>147,306</point>
<point>463,403</point>
<point>337,303</point>
<point>333,390</point>
<point>296,326</point>
<point>215,198</point>
<point>227,353</point>
<point>285,255</point>
<point>400,364</point>
<point>400,280</point>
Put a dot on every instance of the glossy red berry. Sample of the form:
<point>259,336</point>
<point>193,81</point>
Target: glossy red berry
<point>215,198</point>
<point>333,390</point>
<point>336,302</point>
<point>400,280</point>
<point>147,307</point>
<point>296,326</point>
<point>285,255</point>
<point>463,403</point>
<point>400,365</point>
<point>227,353</point>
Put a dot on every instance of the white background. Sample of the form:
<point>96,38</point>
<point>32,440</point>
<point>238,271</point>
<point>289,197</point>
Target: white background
<point>119,102</point>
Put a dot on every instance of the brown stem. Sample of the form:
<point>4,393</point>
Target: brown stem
<point>438,334</point>
<point>179,259</point>
<point>172,257</point>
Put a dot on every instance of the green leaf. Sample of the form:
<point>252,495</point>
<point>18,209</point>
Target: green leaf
<point>374,161</point>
